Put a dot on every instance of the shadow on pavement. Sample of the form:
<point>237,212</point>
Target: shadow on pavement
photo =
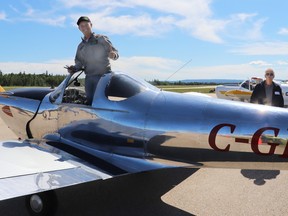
<point>260,176</point>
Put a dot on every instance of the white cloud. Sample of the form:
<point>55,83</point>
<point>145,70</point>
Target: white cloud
<point>244,27</point>
<point>145,67</point>
<point>149,18</point>
<point>243,17</point>
<point>282,62</point>
<point>92,4</point>
<point>283,31</point>
<point>237,71</point>
<point>264,48</point>
<point>150,68</point>
<point>203,29</point>
<point>57,21</point>
<point>255,32</point>
<point>30,14</point>
<point>138,25</point>
<point>13,8</point>
<point>2,15</point>
<point>232,71</point>
<point>30,67</point>
<point>192,16</point>
<point>157,17</point>
<point>259,63</point>
<point>43,17</point>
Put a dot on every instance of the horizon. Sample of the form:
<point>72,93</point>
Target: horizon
<point>169,81</point>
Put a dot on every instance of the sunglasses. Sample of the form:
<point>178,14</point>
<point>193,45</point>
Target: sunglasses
<point>269,74</point>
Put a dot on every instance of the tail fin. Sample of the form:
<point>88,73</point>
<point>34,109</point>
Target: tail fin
<point>2,89</point>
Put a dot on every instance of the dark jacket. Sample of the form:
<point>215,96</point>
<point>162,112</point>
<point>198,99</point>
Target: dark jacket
<point>259,95</point>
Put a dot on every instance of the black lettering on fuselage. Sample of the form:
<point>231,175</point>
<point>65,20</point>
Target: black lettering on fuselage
<point>255,140</point>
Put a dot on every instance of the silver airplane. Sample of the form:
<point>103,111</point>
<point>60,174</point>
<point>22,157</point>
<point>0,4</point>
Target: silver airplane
<point>130,127</point>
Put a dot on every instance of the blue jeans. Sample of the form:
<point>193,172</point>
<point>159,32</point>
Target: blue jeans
<point>90,87</point>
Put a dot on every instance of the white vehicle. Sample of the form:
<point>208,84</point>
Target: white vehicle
<point>243,91</point>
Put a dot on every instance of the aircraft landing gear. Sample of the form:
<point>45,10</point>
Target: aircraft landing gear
<point>41,204</point>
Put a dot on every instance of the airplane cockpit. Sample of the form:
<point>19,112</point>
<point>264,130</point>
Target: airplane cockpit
<point>75,89</point>
<point>251,83</point>
<point>117,87</point>
<point>245,84</point>
<point>121,87</point>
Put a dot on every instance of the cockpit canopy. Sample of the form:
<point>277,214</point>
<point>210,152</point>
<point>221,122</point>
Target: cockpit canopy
<point>123,86</point>
<point>251,83</point>
<point>118,86</point>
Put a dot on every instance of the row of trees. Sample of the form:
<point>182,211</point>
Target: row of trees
<point>45,79</point>
<point>164,83</point>
<point>23,79</point>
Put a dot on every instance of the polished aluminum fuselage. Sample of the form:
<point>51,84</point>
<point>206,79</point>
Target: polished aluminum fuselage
<point>154,128</point>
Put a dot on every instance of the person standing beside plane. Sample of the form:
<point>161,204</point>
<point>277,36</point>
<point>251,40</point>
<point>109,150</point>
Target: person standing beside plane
<point>268,92</point>
<point>93,54</point>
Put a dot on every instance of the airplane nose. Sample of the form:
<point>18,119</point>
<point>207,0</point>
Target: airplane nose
<point>16,112</point>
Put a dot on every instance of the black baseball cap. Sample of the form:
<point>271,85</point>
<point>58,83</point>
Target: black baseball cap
<point>83,18</point>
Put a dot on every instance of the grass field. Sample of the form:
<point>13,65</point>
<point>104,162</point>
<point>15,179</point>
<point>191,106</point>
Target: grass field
<point>188,88</point>
<point>7,88</point>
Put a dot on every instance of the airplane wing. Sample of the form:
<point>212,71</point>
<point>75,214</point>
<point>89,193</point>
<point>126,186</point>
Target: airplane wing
<point>27,168</point>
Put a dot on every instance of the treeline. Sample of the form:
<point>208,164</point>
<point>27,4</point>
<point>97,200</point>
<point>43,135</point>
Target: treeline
<point>23,79</point>
<point>163,83</point>
<point>45,79</point>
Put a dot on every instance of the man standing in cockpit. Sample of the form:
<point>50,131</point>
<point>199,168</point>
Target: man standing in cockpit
<point>93,54</point>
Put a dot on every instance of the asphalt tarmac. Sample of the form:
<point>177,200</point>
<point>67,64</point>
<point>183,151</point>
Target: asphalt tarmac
<point>170,192</point>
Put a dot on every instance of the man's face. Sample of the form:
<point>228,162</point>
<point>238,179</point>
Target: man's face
<point>269,75</point>
<point>85,27</point>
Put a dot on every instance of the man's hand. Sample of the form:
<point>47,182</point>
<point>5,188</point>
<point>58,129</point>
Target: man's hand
<point>70,69</point>
<point>112,55</point>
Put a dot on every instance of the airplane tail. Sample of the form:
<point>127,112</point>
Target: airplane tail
<point>2,89</point>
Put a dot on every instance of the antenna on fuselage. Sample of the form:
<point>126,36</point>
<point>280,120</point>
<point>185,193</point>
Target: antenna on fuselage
<point>179,69</point>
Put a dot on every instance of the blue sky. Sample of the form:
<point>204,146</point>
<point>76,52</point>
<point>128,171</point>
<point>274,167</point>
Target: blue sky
<point>219,38</point>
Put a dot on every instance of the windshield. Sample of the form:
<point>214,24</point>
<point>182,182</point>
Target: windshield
<point>54,97</point>
<point>245,84</point>
<point>74,80</point>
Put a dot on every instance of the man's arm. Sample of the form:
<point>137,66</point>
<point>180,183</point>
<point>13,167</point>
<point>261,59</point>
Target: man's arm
<point>281,102</point>
<point>255,95</point>
<point>78,64</point>
<point>113,52</point>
